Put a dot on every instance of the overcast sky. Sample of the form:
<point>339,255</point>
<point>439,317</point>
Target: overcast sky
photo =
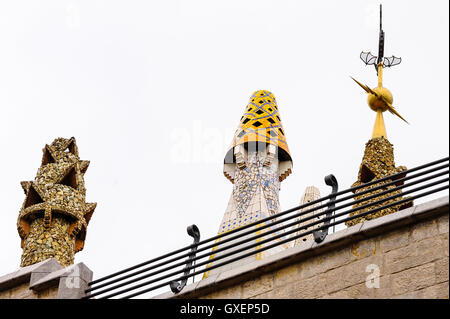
<point>154,90</point>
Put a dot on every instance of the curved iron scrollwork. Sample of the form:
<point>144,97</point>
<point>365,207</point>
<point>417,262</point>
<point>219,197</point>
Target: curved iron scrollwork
<point>194,232</point>
<point>320,235</point>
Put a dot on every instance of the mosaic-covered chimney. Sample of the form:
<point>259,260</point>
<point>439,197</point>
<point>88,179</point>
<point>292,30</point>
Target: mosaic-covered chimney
<point>54,216</point>
<point>256,163</point>
<point>378,162</point>
<point>311,193</point>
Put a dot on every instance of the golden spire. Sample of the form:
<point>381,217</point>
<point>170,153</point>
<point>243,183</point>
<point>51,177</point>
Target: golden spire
<point>379,98</point>
<point>378,160</point>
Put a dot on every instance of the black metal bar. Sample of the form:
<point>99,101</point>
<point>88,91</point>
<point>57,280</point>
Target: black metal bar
<point>277,229</point>
<point>380,40</point>
<point>352,189</point>
<point>278,236</point>
<point>194,232</point>
<point>330,180</point>
<point>279,243</point>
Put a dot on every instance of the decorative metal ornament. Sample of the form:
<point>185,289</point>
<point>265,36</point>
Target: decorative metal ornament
<point>379,98</point>
<point>370,59</point>
<point>176,286</point>
<point>320,235</point>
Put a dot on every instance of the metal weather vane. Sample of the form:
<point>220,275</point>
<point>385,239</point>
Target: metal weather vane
<point>369,59</point>
<point>380,99</point>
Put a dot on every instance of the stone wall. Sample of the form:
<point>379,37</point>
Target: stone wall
<point>401,255</point>
<point>46,280</point>
<point>23,291</point>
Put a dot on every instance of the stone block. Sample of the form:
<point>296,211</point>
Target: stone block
<point>234,292</point>
<point>71,288</point>
<point>311,288</point>
<point>321,263</point>
<point>5,294</point>
<point>257,286</point>
<point>352,274</point>
<point>393,240</point>
<point>17,284</point>
<point>413,279</point>
<point>286,275</point>
<point>71,281</point>
<point>431,207</point>
<point>363,291</point>
<point>48,266</point>
<point>29,273</point>
<point>53,293</point>
<point>341,294</point>
<point>22,292</point>
<point>439,291</point>
<point>441,270</point>
<point>11,280</point>
<point>363,249</point>
<point>425,229</point>
<point>284,292</point>
<point>443,224</point>
<point>415,254</point>
<point>207,282</point>
<point>50,293</point>
<point>444,240</point>
<point>44,294</point>
<point>74,282</point>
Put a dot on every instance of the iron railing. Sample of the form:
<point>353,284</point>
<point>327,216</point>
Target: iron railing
<point>174,269</point>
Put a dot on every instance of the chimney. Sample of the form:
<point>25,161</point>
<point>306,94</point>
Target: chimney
<point>53,220</point>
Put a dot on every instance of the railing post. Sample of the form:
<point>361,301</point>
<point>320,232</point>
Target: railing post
<point>320,235</point>
<point>194,232</point>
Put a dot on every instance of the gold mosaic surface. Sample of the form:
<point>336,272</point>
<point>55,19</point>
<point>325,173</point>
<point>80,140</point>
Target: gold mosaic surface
<point>54,215</point>
<point>378,162</point>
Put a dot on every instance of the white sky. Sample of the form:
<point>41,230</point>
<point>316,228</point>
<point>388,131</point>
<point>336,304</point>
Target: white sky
<point>153,91</point>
